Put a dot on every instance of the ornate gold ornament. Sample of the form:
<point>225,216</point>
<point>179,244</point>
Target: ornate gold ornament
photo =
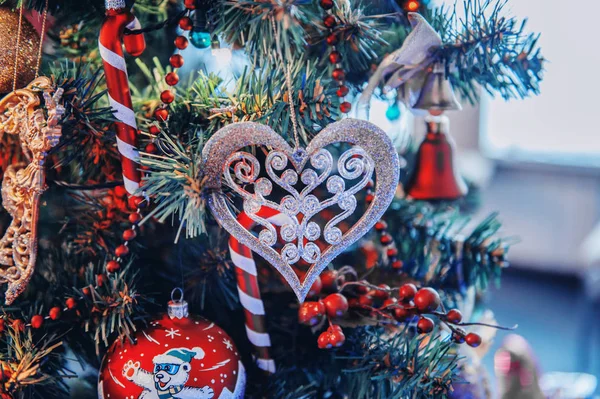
<point>38,130</point>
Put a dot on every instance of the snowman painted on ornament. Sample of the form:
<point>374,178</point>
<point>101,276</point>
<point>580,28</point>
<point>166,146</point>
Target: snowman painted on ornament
<point>171,373</point>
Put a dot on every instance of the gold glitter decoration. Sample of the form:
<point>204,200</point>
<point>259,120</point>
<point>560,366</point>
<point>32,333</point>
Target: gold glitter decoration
<point>38,130</point>
<point>28,48</point>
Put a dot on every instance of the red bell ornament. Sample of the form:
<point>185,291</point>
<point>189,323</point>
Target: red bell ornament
<point>177,356</point>
<point>436,176</point>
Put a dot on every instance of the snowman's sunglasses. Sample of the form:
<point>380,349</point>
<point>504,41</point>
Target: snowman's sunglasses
<point>168,368</point>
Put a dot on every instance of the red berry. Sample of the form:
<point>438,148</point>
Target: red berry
<point>86,291</point>
<point>171,78</point>
<point>338,74</point>
<point>402,314</point>
<point>385,238</point>
<point>397,264</point>
<point>329,21</point>
<point>129,234</point>
<point>427,300</point>
<point>120,191</point>
<point>100,280</point>
<point>186,23</point>
<point>323,340</point>
<point>345,107</point>
<point>113,266</point>
<point>181,42</point>
<point>121,250</point>
<point>342,91</point>
<point>408,292</point>
<point>329,280</point>
<point>381,226</point>
<point>190,4</point>
<point>161,114</point>
<point>315,288</point>
<point>176,61</point>
<point>365,300</point>
<point>473,340</point>
<point>18,325</point>
<point>392,252</point>
<point>337,338</point>
<point>151,148</point>
<point>389,302</point>
<point>134,217</point>
<point>326,4</point>
<point>71,303</point>
<point>424,325</point>
<point>154,130</point>
<point>454,316</point>
<point>383,293</point>
<point>332,39</point>
<point>37,321</point>
<point>336,305</point>
<point>353,303</point>
<point>363,288</point>
<point>167,97</point>
<point>310,313</point>
<point>458,338</point>
<point>55,313</point>
<point>369,198</point>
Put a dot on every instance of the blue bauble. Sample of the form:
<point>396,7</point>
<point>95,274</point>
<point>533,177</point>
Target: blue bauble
<point>200,39</point>
<point>393,112</point>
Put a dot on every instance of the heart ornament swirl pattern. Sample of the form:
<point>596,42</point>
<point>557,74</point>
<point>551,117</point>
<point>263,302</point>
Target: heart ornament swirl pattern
<point>300,183</point>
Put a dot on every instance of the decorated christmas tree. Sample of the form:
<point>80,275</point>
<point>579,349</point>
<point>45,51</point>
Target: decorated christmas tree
<point>198,202</point>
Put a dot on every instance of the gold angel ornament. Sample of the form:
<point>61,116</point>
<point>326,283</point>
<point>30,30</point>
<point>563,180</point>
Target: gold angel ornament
<point>37,129</point>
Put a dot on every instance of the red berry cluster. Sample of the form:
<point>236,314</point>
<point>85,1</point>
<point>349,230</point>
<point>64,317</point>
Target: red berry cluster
<point>335,58</point>
<point>386,239</point>
<point>161,113</point>
<point>335,297</point>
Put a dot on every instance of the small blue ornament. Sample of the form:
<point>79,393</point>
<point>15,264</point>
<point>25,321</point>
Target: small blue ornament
<point>200,39</point>
<point>393,112</point>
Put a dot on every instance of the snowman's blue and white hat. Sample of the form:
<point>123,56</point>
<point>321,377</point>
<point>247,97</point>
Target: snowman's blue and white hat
<point>179,356</point>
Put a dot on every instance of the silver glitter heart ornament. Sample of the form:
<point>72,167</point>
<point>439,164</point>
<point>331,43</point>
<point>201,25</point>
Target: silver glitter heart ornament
<point>285,168</point>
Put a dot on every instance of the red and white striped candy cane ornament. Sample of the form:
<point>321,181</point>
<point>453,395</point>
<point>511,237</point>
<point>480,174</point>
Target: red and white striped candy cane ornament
<point>119,17</point>
<point>247,282</point>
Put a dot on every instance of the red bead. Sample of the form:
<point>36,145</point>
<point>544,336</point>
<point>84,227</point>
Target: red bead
<point>55,313</point>
<point>342,91</point>
<point>473,340</point>
<point>134,217</point>
<point>337,338</point>
<point>329,280</point>
<point>369,198</point>
<point>336,305</point>
<point>454,316</point>
<point>151,148</point>
<point>181,42</point>
<point>389,302</point>
<point>171,78</point>
<point>186,23</point>
<point>37,321</point>
<point>113,266</point>
<point>353,303</point>
<point>408,292</point>
<point>100,280</point>
<point>425,325</point>
<point>190,4</point>
<point>176,61</point>
<point>323,340</point>
<point>154,130</point>
<point>18,325</point>
<point>329,21</point>
<point>326,4</point>
<point>332,39</point>
<point>383,293</point>
<point>397,264</point>
<point>386,239</point>
<point>335,57</point>
<point>129,234</point>
<point>311,313</point>
<point>71,303</point>
<point>315,288</point>
<point>161,114</point>
<point>345,107</point>
<point>120,191</point>
<point>392,252</point>
<point>167,97</point>
<point>139,202</point>
<point>381,226</point>
<point>86,291</point>
<point>427,300</point>
<point>365,300</point>
<point>121,250</point>
<point>338,74</point>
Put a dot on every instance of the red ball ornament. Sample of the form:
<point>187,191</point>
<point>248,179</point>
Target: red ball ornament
<point>408,292</point>
<point>427,300</point>
<point>167,97</point>
<point>186,23</point>
<point>171,78</point>
<point>454,316</point>
<point>323,340</point>
<point>336,305</point>
<point>134,217</point>
<point>121,250</point>
<point>129,234</point>
<point>176,61</point>
<point>37,321</point>
<point>473,340</point>
<point>55,313</point>
<point>326,4</point>
<point>425,325</point>
<point>178,356</point>
<point>181,42</point>
<point>337,338</point>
